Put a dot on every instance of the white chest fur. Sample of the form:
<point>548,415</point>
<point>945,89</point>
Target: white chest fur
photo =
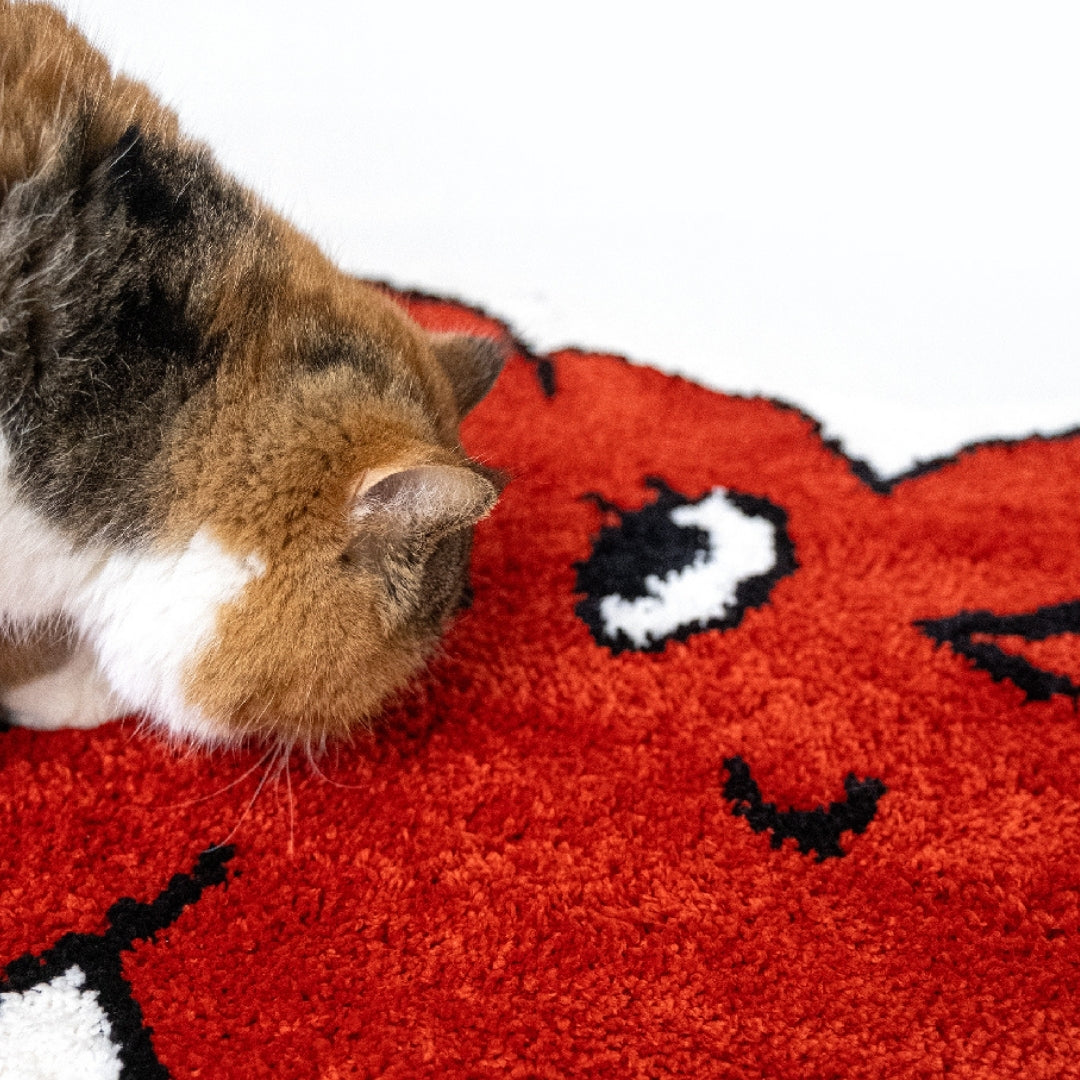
<point>140,616</point>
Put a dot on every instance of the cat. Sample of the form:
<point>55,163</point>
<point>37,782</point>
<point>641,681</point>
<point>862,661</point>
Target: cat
<point>232,493</point>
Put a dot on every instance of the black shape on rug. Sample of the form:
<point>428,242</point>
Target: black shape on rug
<point>816,830</point>
<point>545,375</point>
<point>634,598</point>
<point>96,957</point>
<point>1037,683</point>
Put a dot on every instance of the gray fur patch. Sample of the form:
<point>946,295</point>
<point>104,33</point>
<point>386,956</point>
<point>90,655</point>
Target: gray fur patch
<point>105,274</point>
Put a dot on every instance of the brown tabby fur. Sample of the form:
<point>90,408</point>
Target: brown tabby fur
<point>271,451</point>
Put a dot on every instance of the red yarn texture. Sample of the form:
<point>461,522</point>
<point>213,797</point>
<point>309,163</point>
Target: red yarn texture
<point>532,868</point>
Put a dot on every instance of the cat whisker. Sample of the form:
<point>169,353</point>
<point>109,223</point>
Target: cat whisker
<point>247,810</point>
<point>291,849</point>
<point>140,727</point>
<point>221,791</point>
<point>326,779</point>
<point>282,755</point>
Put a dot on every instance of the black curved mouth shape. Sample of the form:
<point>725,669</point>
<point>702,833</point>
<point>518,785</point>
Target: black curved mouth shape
<point>818,830</point>
<point>961,631</point>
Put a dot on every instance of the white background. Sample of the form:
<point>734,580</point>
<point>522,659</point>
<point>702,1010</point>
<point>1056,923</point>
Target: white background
<point>871,211</point>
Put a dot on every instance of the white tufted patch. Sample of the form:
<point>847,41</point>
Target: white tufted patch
<point>56,1031</point>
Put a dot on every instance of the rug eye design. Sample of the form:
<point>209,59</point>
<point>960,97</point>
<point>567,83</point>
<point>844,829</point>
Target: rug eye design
<point>77,993</point>
<point>679,566</point>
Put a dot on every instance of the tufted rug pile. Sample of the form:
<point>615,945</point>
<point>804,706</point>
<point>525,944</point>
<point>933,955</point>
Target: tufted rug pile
<point>745,763</point>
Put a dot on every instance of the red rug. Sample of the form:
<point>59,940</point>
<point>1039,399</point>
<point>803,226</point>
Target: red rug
<point>744,763</point>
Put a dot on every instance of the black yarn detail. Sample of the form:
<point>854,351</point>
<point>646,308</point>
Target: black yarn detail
<point>647,542</point>
<point>545,374</point>
<point>816,830</point>
<point>641,544</point>
<point>1037,684</point>
<point>98,956</point>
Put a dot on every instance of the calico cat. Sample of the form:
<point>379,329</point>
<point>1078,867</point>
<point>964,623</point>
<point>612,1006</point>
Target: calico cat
<point>232,492</point>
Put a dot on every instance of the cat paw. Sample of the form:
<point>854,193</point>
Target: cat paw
<point>73,696</point>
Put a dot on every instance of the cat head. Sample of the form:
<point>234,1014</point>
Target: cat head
<point>324,462</point>
<point>254,456</point>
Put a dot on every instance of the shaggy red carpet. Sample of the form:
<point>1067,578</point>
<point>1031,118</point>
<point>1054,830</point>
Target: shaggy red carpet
<point>744,763</point>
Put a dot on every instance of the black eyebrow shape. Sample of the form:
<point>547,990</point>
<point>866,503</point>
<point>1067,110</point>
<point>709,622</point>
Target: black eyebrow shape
<point>1045,622</point>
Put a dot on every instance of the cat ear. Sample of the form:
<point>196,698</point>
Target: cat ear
<point>424,500</point>
<point>472,365</point>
